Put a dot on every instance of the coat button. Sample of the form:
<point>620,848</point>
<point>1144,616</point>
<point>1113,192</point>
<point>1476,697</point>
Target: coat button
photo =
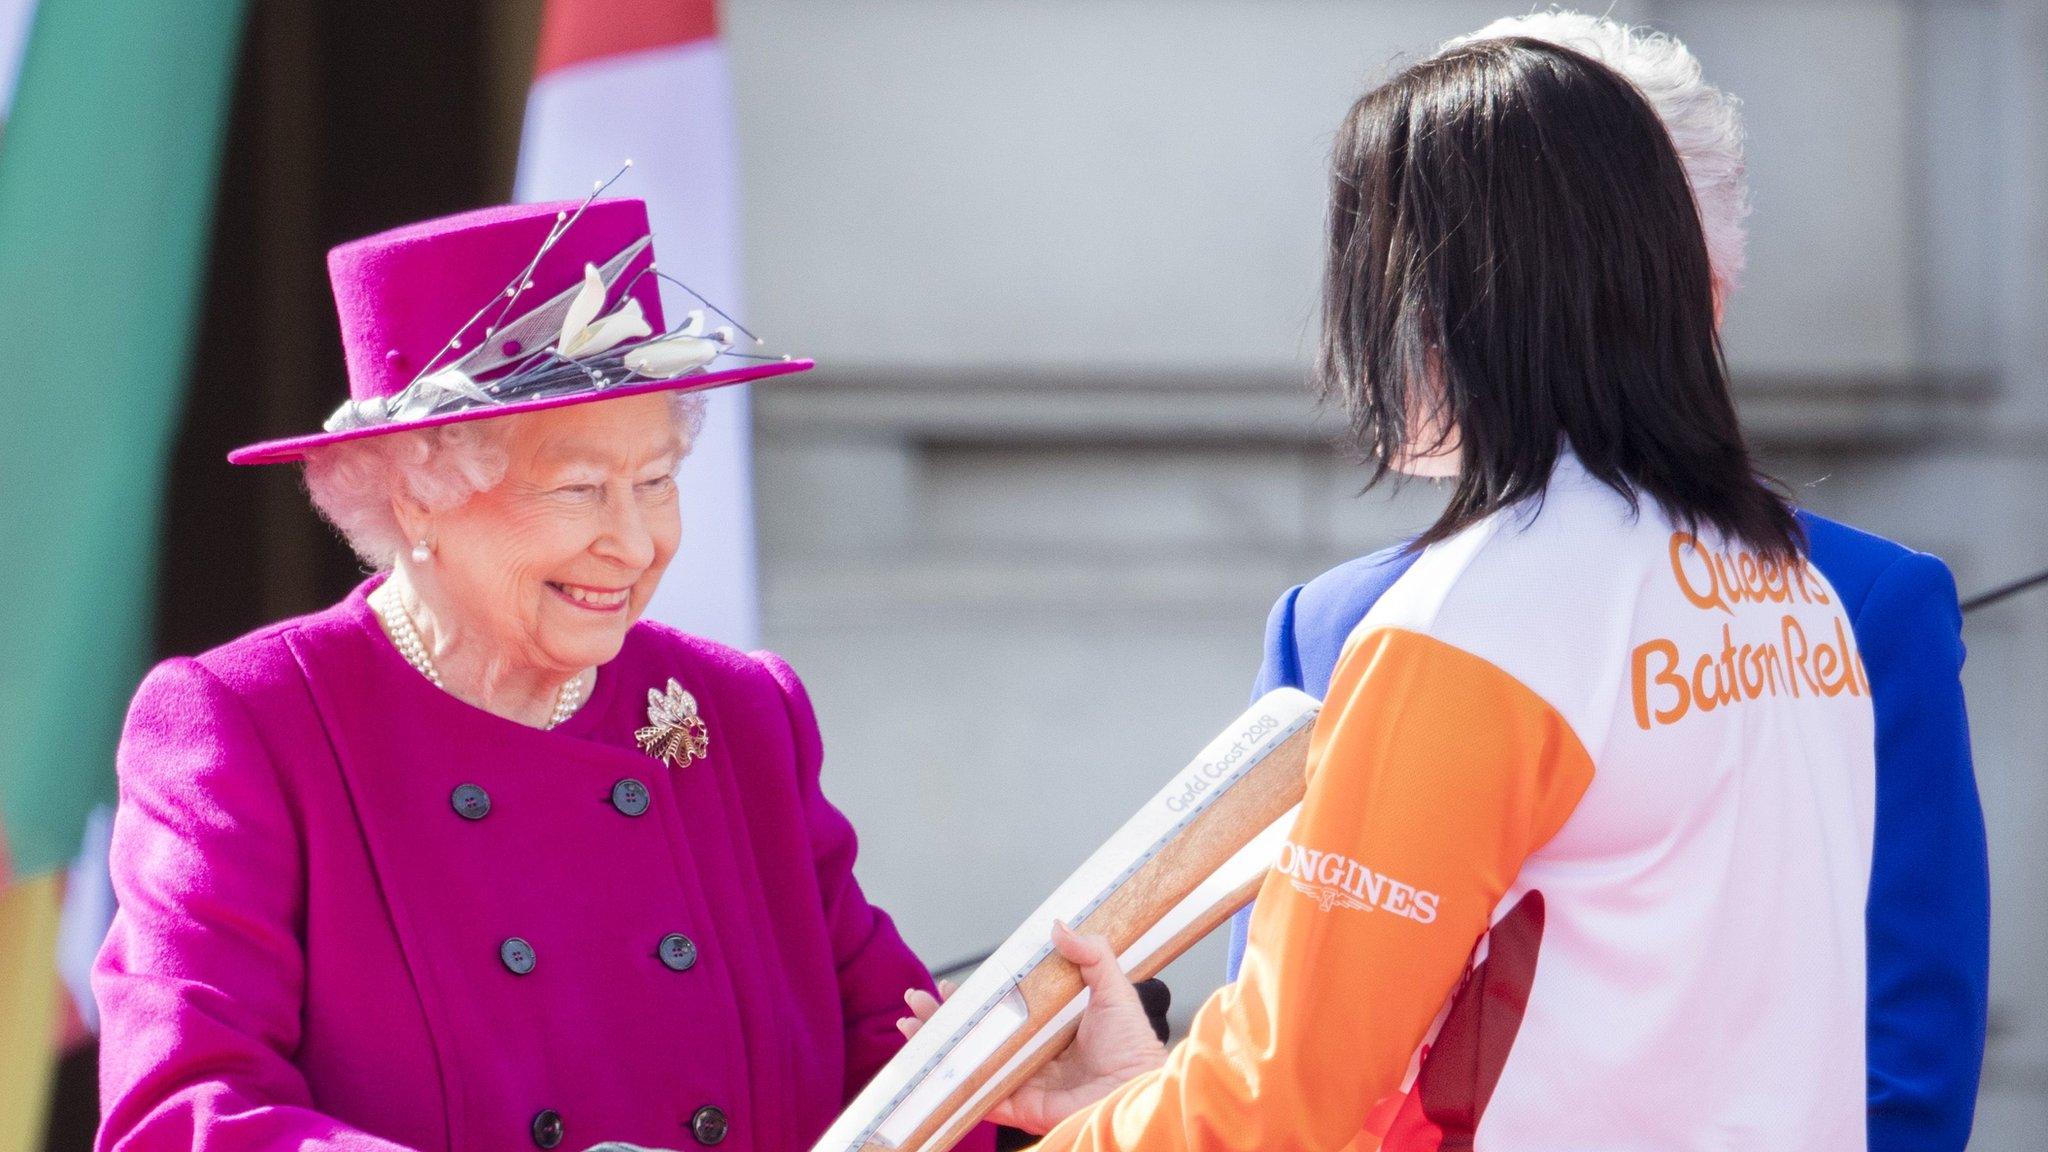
<point>679,952</point>
<point>517,955</point>
<point>629,796</point>
<point>547,1128</point>
<point>471,802</point>
<point>709,1125</point>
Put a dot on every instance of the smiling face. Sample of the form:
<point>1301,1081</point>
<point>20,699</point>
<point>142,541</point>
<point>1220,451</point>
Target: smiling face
<point>548,569</point>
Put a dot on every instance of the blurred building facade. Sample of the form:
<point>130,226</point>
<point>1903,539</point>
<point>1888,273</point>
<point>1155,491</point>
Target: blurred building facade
<point>1059,259</point>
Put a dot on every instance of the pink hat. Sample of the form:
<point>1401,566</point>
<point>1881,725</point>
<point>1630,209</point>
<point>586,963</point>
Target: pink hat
<point>507,310</point>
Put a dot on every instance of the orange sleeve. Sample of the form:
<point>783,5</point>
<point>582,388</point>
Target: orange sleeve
<point>1432,775</point>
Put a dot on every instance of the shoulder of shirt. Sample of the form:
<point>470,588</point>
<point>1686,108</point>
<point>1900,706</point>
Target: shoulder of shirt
<point>1546,592</point>
<point>1309,624</point>
<point>1338,598</point>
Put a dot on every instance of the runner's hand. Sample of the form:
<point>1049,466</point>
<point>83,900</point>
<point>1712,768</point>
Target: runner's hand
<point>1115,1041</point>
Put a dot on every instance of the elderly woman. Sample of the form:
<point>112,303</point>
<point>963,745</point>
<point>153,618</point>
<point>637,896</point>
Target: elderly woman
<point>477,858</point>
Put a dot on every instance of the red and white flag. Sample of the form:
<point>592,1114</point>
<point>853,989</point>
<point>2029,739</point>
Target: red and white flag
<point>646,80</point>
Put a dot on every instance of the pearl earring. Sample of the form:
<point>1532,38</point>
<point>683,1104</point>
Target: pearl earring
<point>421,554</point>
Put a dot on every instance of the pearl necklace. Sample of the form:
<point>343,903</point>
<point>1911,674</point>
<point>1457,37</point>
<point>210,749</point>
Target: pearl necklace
<point>406,638</point>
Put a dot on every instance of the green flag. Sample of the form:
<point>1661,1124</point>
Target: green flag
<point>107,171</point>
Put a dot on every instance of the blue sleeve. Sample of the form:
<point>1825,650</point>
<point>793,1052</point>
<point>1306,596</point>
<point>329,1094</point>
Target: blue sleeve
<point>1280,669</point>
<point>1928,919</point>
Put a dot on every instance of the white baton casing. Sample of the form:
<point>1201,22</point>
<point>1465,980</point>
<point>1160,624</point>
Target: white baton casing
<point>1189,859</point>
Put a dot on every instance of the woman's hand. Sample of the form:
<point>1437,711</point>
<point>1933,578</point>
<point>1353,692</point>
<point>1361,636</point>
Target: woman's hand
<point>1114,1044</point>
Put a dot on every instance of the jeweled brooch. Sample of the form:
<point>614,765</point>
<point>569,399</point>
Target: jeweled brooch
<point>675,733</point>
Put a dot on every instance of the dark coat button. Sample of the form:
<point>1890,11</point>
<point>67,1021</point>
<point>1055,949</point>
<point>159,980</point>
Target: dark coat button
<point>679,952</point>
<point>471,802</point>
<point>629,796</point>
<point>547,1128</point>
<point>517,955</point>
<point>709,1125</point>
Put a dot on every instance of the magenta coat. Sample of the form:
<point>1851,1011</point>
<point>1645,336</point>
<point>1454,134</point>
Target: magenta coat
<point>325,940</point>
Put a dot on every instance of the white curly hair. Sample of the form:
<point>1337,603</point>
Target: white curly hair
<point>353,483</point>
<point>1705,123</point>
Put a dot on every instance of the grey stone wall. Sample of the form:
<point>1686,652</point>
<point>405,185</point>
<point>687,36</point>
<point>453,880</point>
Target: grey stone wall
<point>1059,258</point>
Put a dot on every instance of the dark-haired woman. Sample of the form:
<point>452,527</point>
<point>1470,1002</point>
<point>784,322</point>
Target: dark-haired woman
<point>1588,831</point>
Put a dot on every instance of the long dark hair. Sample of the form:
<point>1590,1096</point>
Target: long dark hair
<point>1515,257</point>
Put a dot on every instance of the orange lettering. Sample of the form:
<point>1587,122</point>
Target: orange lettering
<point>1724,574</point>
<point>1727,673</point>
<point>1852,662</point>
<point>1711,598</point>
<point>1809,590</point>
<point>1749,661</point>
<point>1700,696</point>
<point>1664,676</point>
<point>1825,664</point>
<point>1775,588</point>
<point>1795,661</point>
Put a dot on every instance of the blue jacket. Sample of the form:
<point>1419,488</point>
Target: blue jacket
<point>1928,917</point>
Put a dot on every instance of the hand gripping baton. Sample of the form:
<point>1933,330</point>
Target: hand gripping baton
<point>1188,860</point>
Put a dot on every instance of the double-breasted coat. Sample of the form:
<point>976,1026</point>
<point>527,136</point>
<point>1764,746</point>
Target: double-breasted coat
<point>358,913</point>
